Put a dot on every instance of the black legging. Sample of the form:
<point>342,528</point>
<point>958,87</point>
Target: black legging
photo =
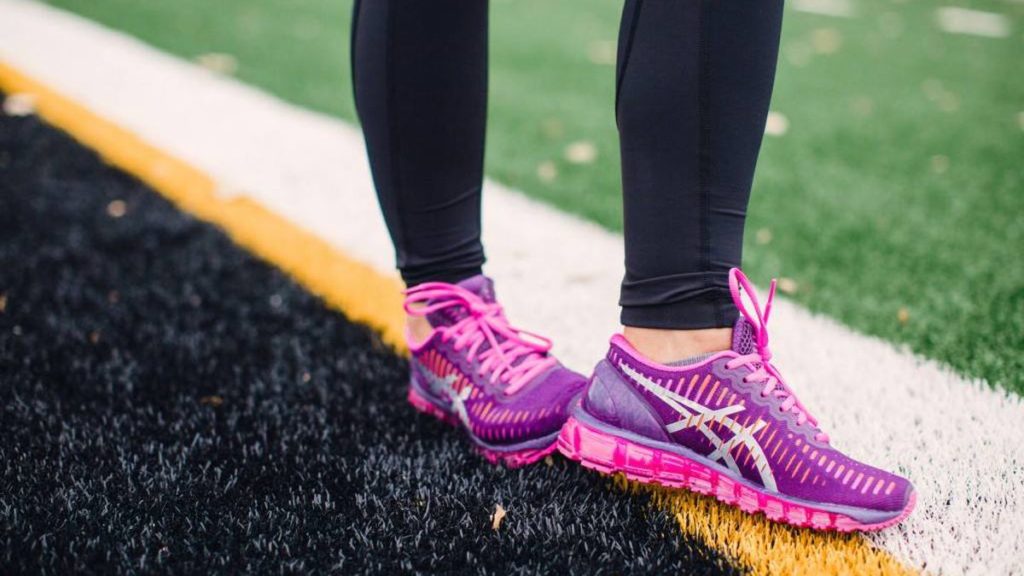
<point>694,81</point>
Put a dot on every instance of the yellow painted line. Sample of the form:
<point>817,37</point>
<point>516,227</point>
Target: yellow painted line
<point>362,293</point>
<point>369,297</point>
<point>767,548</point>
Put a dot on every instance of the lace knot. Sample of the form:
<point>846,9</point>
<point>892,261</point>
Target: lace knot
<point>510,355</point>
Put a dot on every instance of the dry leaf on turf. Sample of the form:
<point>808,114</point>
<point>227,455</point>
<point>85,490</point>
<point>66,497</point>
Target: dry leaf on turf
<point>497,517</point>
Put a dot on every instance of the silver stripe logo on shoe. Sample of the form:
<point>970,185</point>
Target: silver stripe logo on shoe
<point>694,415</point>
<point>446,386</point>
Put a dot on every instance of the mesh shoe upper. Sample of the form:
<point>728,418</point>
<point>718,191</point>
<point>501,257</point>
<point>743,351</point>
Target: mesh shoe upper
<point>735,410</point>
<point>710,410</point>
<point>455,368</point>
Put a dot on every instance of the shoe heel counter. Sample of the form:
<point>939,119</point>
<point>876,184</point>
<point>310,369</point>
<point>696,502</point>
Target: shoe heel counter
<point>612,400</point>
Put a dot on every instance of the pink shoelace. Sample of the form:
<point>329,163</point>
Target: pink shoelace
<point>512,356</point>
<point>762,370</point>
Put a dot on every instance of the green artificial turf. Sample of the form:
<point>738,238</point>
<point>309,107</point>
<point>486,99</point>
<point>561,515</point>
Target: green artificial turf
<point>894,201</point>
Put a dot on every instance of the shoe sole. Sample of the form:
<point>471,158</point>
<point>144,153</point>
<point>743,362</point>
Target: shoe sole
<point>511,457</point>
<point>610,454</point>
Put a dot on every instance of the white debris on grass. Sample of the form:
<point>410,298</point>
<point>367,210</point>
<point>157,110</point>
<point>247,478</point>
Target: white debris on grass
<point>218,62</point>
<point>581,152</point>
<point>777,124</point>
<point>826,40</point>
<point>547,171</point>
<point>602,52</point>
<point>956,20</point>
<point>838,8</point>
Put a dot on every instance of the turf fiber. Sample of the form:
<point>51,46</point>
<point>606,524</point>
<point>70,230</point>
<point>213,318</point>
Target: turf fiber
<point>170,404</point>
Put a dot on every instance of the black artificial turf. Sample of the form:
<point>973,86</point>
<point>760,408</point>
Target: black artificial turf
<point>169,403</point>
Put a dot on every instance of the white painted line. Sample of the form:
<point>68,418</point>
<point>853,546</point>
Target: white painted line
<point>958,440</point>
<point>838,8</point>
<point>974,22</point>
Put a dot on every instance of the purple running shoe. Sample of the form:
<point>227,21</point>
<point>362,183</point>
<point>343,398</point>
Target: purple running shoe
<point>478,372</point>
<point>728,426</point>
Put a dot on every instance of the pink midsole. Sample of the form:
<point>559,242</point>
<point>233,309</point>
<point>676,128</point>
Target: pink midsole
<point>512,459</point>
<point>609,454</point>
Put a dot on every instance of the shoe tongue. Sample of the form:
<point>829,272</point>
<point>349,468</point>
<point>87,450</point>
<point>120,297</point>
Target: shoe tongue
<point>480,285</point>
<point>743,341</point>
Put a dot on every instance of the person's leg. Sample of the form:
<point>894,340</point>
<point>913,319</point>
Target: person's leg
<point>677,401</point>
<point>420,75</point>
<point>693,87</point>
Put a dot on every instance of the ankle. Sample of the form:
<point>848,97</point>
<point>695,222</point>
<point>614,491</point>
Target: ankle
<point>417,328</point>
<point>665,346</point>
